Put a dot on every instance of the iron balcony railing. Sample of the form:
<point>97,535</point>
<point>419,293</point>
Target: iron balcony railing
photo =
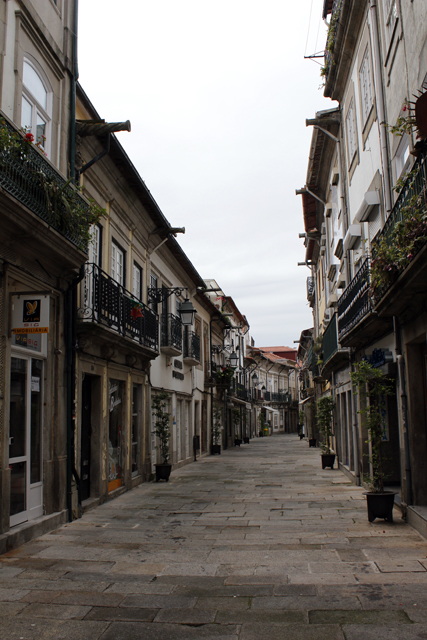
<point>171,335</point>
<point>267,396</point>
<point>106,302</point>
<point>332,34</point>
<point>310,288</point>
<point>330,340</point>
<point>282,397</point>
<point>26,175</point>
<point>354,303</point>
<point>241,392</point>
<point>191,345</point>
<point>411,203</point>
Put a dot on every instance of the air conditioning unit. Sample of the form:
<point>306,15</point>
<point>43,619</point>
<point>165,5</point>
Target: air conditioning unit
<point>370,200</point>
<point>354,232</point>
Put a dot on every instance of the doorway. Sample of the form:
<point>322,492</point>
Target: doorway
<point>86,437</point>
<point>25,439</point>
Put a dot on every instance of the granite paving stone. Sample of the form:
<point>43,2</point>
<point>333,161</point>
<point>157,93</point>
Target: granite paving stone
<point>256,543</point>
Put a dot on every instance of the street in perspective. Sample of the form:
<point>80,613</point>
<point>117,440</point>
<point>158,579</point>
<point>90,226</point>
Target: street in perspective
<point>259,542</point>
<point>213,320</point>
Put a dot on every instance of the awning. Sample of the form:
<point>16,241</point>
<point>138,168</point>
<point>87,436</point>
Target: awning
<point>271,409</point>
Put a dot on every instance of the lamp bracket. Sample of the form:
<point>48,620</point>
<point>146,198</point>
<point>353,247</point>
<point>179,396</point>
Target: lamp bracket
<point>159,294</point>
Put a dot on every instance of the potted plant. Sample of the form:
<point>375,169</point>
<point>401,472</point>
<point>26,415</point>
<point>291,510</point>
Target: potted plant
<point>372,385</point>
<point>223,377</point>
<point>159,405</point>
<point>236,421</point>
<point>325,407</point>
<point>216,430</point>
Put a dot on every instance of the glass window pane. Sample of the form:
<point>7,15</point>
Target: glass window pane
<point>40,130</point>
<point>36,408</point>
<point>26,115</point>
<point>33,82</point>
<point>18,407</point>
<point>17,487</point>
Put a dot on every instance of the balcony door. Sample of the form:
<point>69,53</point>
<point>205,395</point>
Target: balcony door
<point>25,439</point>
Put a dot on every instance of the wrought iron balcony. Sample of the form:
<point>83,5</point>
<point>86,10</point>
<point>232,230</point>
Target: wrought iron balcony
<point>354,303</point>
<point>191,347</point>
<point>404,233</point>
<point>282,397</point>
<point>241,392</point>
<point>333,355</point>
<point>332,35</point>
<point>330,340</point>
<point>310,288</point>
<point>105,302</point>
<point>29,177</point>
<point>171,334</point>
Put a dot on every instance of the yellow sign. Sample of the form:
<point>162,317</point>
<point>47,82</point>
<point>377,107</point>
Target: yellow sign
<point>31,330</point>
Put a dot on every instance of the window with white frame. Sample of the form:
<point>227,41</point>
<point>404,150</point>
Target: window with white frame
<point>36,110</point>
<point>137,281</point>
<point>390,18</point>
<point>365,78</point>
<point>402,156</point>
<point>350,126</point>
<point>117,264</point>
<point>95,245</point>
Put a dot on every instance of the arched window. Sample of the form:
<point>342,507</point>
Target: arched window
<point>36,106</point>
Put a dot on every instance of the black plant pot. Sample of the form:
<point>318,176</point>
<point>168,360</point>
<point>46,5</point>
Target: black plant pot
<point>246,440</point>
<point>237,442</point>
<point>312,442</point>
<point>301,436</point>
<point>328,460</point>
<point>216,448</point>
<point>163,472</point>
<point>380,505</point>
<point>261,434</point>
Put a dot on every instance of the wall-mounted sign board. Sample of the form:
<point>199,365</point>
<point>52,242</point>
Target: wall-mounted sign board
<point>30,313</point>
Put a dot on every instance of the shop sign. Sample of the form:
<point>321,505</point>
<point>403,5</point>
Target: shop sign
<point>30,313</point>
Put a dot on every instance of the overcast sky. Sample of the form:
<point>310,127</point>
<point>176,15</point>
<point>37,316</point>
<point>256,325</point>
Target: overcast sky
<point>217,94</point>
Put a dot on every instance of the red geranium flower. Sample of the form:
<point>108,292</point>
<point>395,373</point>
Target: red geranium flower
<point>29,136</point>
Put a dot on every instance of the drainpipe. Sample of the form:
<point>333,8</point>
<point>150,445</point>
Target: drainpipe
<point>380,105</point>
<point>403,416</point>
<point>73,92</point>
<point>71,337</point>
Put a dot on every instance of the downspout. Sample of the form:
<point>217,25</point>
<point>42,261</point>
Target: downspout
<point>71,337</point>
<point>73,93</point>
<point>380,105</point>
<point>403,416</point>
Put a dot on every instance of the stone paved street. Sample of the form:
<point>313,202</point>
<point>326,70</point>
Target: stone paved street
<point>256,543</point>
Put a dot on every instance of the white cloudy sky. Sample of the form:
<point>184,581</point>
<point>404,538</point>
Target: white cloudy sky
<point>217,94</point>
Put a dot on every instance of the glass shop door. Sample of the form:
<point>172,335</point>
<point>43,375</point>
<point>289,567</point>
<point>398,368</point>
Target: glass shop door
<point>25,439</point>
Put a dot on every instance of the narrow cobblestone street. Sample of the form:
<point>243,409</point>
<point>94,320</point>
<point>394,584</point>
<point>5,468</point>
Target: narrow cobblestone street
<point>256,543</point>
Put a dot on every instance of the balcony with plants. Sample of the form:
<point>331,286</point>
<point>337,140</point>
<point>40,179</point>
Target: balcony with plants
<point>399,254</point>
<point>103,301</point>
<point>331,39</point>
<point>28,176</point>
